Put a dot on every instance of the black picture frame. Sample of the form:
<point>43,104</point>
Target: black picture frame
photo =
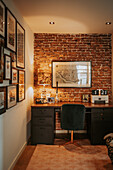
<point>10,31</point>
<point>11,96</point>
<point>20,46</point>
<point>2,100</point>
<point>7,67</point>
<point>2,19</point>
<point>14,76</point>
<point>71,74</point>
<point>21,85</point>
<point>13,58</point>
<point>1,59</point>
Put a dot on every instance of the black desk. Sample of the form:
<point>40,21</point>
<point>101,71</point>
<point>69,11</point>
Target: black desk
<point>99,121</point>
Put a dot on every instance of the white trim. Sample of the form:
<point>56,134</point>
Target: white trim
<point>17,157</point>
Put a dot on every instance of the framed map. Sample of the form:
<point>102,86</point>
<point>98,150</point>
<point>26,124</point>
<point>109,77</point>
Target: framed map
<point>71,73</point>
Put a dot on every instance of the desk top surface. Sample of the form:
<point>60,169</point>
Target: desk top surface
<point>87,105</point>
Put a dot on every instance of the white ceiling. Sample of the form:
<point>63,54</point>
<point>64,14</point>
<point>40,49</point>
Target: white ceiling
<point>70,16</point>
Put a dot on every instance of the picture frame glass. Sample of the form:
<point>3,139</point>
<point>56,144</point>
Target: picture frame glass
<point>13,57</point>
<point>20,46</point>
<point>14,76</point>
<point>21,85</point>
<point>2,100</point>
<point>2,19</point>
<point>71,73</point>
<point>1,60</point>
<point>85,98</point>
<point>11,96</point>
<point>7,67</point>
<point>11,31</point>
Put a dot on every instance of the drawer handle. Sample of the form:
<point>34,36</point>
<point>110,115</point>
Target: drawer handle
<point>42,119</point>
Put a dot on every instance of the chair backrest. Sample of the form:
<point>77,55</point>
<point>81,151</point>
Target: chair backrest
<point>72,116</point>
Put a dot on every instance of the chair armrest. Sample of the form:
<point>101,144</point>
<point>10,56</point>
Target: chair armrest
<point>110,135</point>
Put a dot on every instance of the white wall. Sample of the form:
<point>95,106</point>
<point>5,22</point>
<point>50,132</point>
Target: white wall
<point>13,123</point>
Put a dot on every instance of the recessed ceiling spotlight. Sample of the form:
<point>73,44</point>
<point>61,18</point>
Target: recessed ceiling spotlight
<point>108,23</point>
<point>51,22</point>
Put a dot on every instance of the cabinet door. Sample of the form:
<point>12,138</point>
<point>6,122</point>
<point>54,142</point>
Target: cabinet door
<point>42,126</point>
<point>42,135</point>
<point>101,124</point>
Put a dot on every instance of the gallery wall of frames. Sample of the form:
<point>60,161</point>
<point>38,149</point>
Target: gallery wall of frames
<point>12,67</point>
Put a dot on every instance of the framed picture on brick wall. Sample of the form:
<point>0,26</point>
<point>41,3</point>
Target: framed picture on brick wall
<point>71,73</point>
<point>2,100</point>
<point>11,31</point>
<point>2,19</point>
<point>20,46</point>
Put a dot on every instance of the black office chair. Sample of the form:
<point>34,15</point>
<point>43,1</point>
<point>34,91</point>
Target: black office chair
<point>72,118</point>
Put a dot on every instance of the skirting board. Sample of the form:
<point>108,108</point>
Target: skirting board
<point>17,157</point>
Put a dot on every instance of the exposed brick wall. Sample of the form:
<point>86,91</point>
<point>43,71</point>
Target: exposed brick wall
<point>73,47</point>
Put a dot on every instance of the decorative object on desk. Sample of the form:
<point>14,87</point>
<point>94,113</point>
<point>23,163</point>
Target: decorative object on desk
<point>2,19</point>
<point>21,85</point>
<point>99,99</point>
<point>95,92</point>
<point>11,96</point>
<point>39,100</point>
<point>1,60</point>
<point>50,100</point>
<point>7,67</point>
<point>85,98</point>
<point>71,73</point>
<point>2,100</point>
<point>11,31</point>
<point>20,46</point>
<point>43,93</point>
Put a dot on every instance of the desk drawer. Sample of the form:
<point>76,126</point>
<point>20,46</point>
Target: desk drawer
<point>42,112</point>
<point>44,121</point>
<point>42,135</point>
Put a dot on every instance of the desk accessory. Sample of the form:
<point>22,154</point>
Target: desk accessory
<point>39,100</point>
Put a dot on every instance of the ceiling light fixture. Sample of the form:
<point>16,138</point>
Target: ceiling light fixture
<point>51,22</point>
<point>108,23</point>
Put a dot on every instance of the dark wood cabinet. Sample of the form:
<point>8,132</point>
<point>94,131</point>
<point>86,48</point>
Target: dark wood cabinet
<point>42,125</point>
<point>101,124</point>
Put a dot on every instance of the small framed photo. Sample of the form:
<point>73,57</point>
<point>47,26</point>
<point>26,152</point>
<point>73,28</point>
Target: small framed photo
<point>85,98</point>
<point>13,58</point>
<point>2,19</point>
<point>14,79</point>
<point>7,67</point>
<point>20,46</point>
<point>21,85</point>
<point>11,94</point>
<point>1,60</point>
<point>2,100</point>
<point>11,31</point>
<point>50,100</point>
